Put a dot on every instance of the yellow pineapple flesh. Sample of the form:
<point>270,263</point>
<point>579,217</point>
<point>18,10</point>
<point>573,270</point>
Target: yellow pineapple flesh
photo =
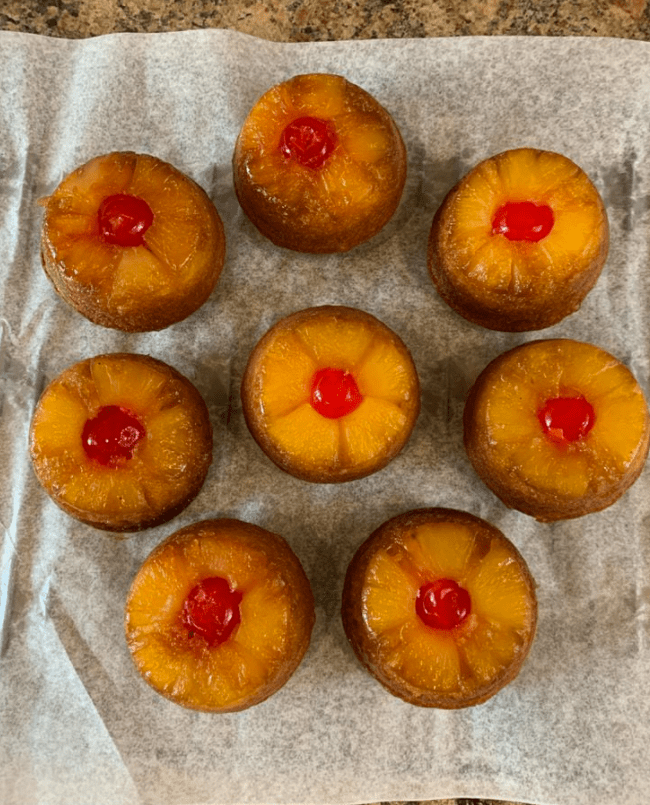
<point>167,465</point>
<point>463,656</point>
<point>275,611</point>
<point>164,277</point>
<point>531,272</point>
<point>332,201</point>
<point>280,400</point>
<point>514,452</point>
<point>544,179</point>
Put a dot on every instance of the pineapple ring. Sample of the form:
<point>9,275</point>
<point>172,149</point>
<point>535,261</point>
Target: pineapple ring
<point>519,284</point>
<point>351,193</point>
<point>135,288</point>
<point>277,392</point>
<point>533,472</point>
<point>466,662</point>
<point>167,467</point>
<point>264,649</point>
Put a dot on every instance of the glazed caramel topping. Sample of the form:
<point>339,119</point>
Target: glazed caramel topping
<point>442,604</point>
<point>124,219</point>
<point>112,435</point>
<point>211,610</point>
<point>523,220</point>
<point>308,140</point>
<point>566,419</point>
<point>334,393</point>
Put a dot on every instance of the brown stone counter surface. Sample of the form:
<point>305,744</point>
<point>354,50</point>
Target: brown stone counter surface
<point>315,20</point>
<point>318,20</point>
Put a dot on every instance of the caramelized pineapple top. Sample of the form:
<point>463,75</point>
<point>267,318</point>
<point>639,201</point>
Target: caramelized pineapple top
<point>522,221</point>
<point>133,230</point>
<point>174,605</point>
<point>566,416</point>
<point>322,145</point>
<point>332,387</point>
<point>120,435</point>
<point>447,605</point>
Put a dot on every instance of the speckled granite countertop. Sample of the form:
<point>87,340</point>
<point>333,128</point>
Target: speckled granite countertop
<point>317,20</point>
<point>314,20</point>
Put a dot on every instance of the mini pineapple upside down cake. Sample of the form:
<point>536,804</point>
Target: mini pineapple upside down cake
<point>219,616</point>
<point>440,607</point>
<point>319,164</point>
<point>557,428</point>
<point>519,242</point>
<point>131,242</point>
<point>330,394</point>
<point>121,442</point>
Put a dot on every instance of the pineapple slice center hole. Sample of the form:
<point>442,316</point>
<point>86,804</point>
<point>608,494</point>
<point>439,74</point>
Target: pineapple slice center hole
<point>566,419</point>
<point>211,610</point>
<point>111,437</point>
<point>124,219</point>
<point>334,393</point>
<point>523,220</point>
<point>308,140</point>
<point>443,604</point>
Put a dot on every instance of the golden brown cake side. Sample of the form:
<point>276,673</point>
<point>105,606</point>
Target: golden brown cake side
<point>145,287</point>
<point>449,669</point>
<point>342,202</point>
<point>169,461</point>
<point>274,604</point>
<point>282,367</point>
<point>518,285</point>
<point>542,474</point>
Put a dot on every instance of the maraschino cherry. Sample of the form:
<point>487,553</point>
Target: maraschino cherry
<point>308,140</point>
<point>111,436</point>
<point>523,220</point>
<point>124,219</point>
<point>211,610</point>
<point>443,604</point>
<point>334,393</point>
<point>566,419</point>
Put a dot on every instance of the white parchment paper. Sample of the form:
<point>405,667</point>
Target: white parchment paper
<point>77,725</point>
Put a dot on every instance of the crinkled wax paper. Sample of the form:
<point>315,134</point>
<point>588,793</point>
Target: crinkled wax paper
<point>77,724</point>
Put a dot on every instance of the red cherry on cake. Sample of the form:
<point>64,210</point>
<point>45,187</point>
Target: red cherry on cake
<point>112,435</point>
<point>334,393</point>
<point>523,220</point>
<point>566,419</point>
<point>124,219</point>
<point>443,604</point>
<point>308,140</point>
<point>211,610</point>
